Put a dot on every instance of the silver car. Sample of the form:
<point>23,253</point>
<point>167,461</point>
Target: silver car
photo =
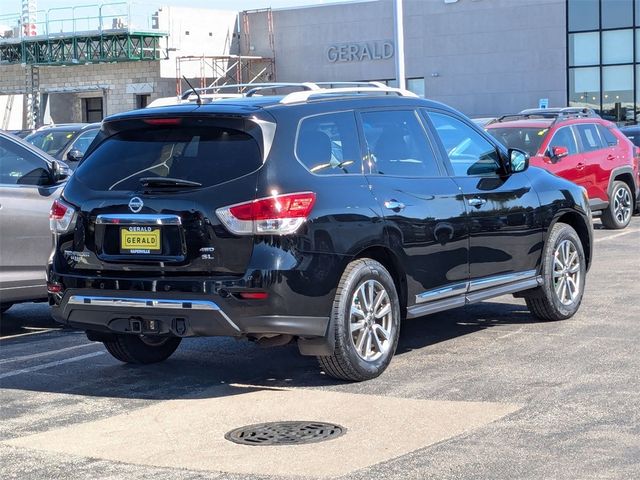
<point>30,181</point>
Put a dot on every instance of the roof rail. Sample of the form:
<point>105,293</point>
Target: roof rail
<point>243,88</point>
<point>303,96</point>
<point>557,114</point>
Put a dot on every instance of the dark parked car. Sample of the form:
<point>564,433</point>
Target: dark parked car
<point>30,181</point>
<point>67,142</point>
<point>322,216</point>
<point>632,133</point>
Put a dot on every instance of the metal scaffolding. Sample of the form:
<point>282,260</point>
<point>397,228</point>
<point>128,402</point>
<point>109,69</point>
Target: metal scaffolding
<point>215,71</point>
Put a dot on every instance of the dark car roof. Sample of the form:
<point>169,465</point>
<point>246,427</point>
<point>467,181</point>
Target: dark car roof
<point>69,127</point>
<point>630,129</point>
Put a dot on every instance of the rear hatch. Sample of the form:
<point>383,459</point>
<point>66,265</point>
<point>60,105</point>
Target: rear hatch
<point>146,197</point>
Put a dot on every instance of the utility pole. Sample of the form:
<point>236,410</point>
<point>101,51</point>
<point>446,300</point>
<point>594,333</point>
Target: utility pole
<point>398,17</point>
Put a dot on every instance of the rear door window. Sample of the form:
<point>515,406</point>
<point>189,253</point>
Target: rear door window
<point>207,155</point>
<point>589,137</point>
<point>398,144</point>
<point>327,144</point>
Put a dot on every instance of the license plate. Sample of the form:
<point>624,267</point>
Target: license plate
<point>143,240</point>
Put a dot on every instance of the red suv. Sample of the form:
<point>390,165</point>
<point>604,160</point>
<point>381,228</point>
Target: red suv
<point>582,147</point>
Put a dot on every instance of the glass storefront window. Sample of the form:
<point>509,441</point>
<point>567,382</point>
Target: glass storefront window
<point>638,13</point>
<point>617,46</point>
<point>584,49</point>
<point>583,15</point>
<point>584,87</point>
<point>416,85</point>
<point>617,13</point>
<point>638,92</point>
<point>617,93</point>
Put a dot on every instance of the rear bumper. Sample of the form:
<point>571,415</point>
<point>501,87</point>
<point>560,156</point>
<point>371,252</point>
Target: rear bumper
<point>173,314</point>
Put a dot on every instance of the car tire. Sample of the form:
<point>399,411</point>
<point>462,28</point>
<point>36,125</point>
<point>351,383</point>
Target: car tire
<point>141,349</point>
<point>365,322</point>
<point>5,306</point>
<point>618,214</point>
<point>563,276</point>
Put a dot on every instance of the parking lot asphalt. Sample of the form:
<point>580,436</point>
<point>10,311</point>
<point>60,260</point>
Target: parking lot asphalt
<point>480,392</point>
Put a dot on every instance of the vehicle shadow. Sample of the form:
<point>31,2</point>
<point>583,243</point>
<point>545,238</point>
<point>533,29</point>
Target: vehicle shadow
<point>215,367</point>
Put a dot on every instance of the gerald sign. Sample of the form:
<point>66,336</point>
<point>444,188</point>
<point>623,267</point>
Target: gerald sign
<point>358,52</point>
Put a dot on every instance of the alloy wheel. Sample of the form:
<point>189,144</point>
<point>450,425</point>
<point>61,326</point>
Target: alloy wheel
<point>566,272</point>
<point>622,205</point>
<point>371,320</point>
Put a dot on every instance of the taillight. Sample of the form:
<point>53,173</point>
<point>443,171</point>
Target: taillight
<point>276,215</point>
<point>61,217</point>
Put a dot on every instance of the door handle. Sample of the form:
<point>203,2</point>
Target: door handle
<point>394,205</point>
<point>477,202</point>
<point>611,157</point>
<point>580,166</point>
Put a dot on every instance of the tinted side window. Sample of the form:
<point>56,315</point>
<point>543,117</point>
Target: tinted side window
<point>328,144</point>
<point>564,138</point>
<point>18,166</point>
<point>469,152</point>
<point>398,144</point>
<point>589,137</point>
<point>607,135</point>
<point>84,140</point>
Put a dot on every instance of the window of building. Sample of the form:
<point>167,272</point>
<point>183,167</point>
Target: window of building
<point>617,46</point>
<point>328,144</point>
<point>416,85</point>
<point>602,52</point>
<point>583,15</point>
<point>617,93</point>
<point>142,100</point>
<point>584,87</point>
<point>584,49</point>
<point>398,144</point>
<point>469,152</point>
<point>92,109</point>
<point>617,13</point>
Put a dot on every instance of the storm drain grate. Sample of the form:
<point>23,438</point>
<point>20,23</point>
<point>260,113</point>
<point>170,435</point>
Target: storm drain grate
<point>285,433</point>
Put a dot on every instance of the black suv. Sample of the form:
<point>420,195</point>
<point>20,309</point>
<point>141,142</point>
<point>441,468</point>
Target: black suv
<point>321,216</point>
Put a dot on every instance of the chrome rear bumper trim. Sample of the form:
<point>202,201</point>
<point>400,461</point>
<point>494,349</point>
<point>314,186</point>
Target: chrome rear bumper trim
<point>157,303</point>
<point>138,219</point>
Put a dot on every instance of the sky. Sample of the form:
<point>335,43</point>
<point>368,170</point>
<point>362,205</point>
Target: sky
<point>14,6</point>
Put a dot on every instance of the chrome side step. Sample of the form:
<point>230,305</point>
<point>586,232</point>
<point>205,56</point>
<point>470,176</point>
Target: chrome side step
<point>474,296</point>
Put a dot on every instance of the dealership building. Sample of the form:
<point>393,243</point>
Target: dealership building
<point>484,57</point>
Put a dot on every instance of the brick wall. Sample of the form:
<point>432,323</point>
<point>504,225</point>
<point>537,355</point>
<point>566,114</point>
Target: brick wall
<point>108,80</point>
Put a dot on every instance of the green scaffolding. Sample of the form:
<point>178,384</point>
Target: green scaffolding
<point>82,48</point>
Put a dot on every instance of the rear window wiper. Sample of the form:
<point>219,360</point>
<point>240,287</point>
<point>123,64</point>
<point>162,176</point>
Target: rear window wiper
<point>167,182</point>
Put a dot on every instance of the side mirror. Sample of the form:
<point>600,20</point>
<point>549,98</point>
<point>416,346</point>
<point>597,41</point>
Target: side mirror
<point>558,152</point>
<point>518,160</point>
<point>74,155</point>
<point>59,171</point>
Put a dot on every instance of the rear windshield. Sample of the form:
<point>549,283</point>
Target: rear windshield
<point>52,141</point>
<point>207,155</point>
<point>526,139</point>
